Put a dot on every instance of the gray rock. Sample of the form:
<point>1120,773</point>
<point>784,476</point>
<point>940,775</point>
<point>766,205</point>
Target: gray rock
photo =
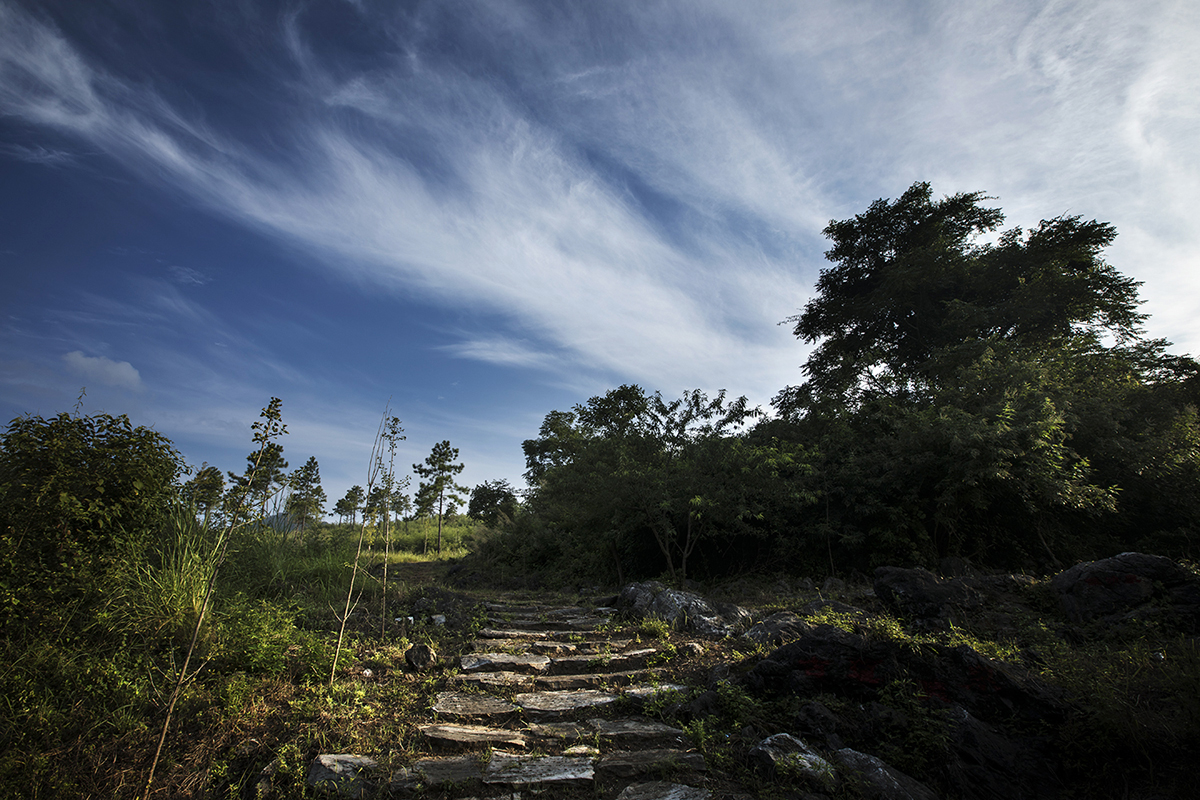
<point>420,657</point>
<point>661,790</point>
<point>554,703</point>
<point>877,780</point>
<point>638,763</point>
<point>1123,585</point>
<point>346,774</point>
<point>538,770</point>
<point>463,704</point>
<point>472,734</point>
<point>777,629</point>
<point>683,611</point>
<point>783,756</point>
<point>504,662</point>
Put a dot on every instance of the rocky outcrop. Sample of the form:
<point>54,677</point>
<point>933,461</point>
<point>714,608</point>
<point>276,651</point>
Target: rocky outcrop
<point>1127,586</point>
<point>683,611</point>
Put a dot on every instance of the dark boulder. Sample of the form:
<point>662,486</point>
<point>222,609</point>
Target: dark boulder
<point>920,594</point>
<point>1129,585</point>
<point>875,779</point>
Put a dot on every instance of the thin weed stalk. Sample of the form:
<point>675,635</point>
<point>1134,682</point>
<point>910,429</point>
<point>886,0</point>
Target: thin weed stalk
<point>264,432</point>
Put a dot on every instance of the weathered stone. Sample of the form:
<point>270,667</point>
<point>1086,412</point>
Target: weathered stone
<point>634,731</point>
<point>504,662</point>
<point>683,611</point>
<point>986,764</point>
<point>510,633</point>
<point>551,703</point>
<point>462,704</point>
<point>1126,584</point>
<point>420,657</point>
<point>778,628</point>
<point>588,663</point>
<point>877,780</point>
<point>472,734</point>
<point>661,790</point>
<point>515,769</point>
<point>633,764</point>
<point>783,756</point>
<point>498,679</point>
<point>440,771</point>
<point>643,694</point>
<point>593,680</point>
<point>348,775</point>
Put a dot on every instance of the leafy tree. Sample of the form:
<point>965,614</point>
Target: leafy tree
<point>439,470</point>
<point>956,389</point>
<point>626,470</point>
<point>205,489</point>
<point>493,503</point>
<point>72,489</point>
<point>306,504</point>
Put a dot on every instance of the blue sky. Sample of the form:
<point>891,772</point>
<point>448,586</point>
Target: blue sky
<point>485,211</point>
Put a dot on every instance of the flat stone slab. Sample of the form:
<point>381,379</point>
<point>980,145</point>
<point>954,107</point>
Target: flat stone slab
<point>642,694</point>
<point>592,680</point>
<point>563,702</point>
<point>629,731</point>
<point>510,633</point>
<point>588,663</point>
<point>661,790</point>
<point>564,624</point>
<point>525,770</point>
<point>438,771</point>
<point>633,764</point>
<point>502,680</point>
<point>472,734</point>
<point>463,704</point>
<point>504,662</point>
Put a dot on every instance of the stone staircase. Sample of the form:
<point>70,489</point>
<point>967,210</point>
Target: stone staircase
<point>548,702</point>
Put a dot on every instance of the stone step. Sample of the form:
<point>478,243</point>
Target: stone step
<point>496,680</point>
<point>565,624</point>
<point>626,732</point>
<point>529,682</point>
<point>458,770</point>
<point>616,662</point>
<point>662,790</point>
<point>471,734</point>
<point>504,662</point>
<point>593,680</point>
<point>552,704</point>
<point>638,763</point>
<point>517,770</point>
<point>550,647</point>
<point>462,704</point>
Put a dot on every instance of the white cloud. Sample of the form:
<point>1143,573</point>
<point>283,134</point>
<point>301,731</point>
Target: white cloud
<point>120,374</point>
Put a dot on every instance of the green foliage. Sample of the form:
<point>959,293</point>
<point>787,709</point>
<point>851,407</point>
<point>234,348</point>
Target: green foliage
<point>641,483</point>
<point>74,492</point>
<point>994,401</point>
<point>493,503</point>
